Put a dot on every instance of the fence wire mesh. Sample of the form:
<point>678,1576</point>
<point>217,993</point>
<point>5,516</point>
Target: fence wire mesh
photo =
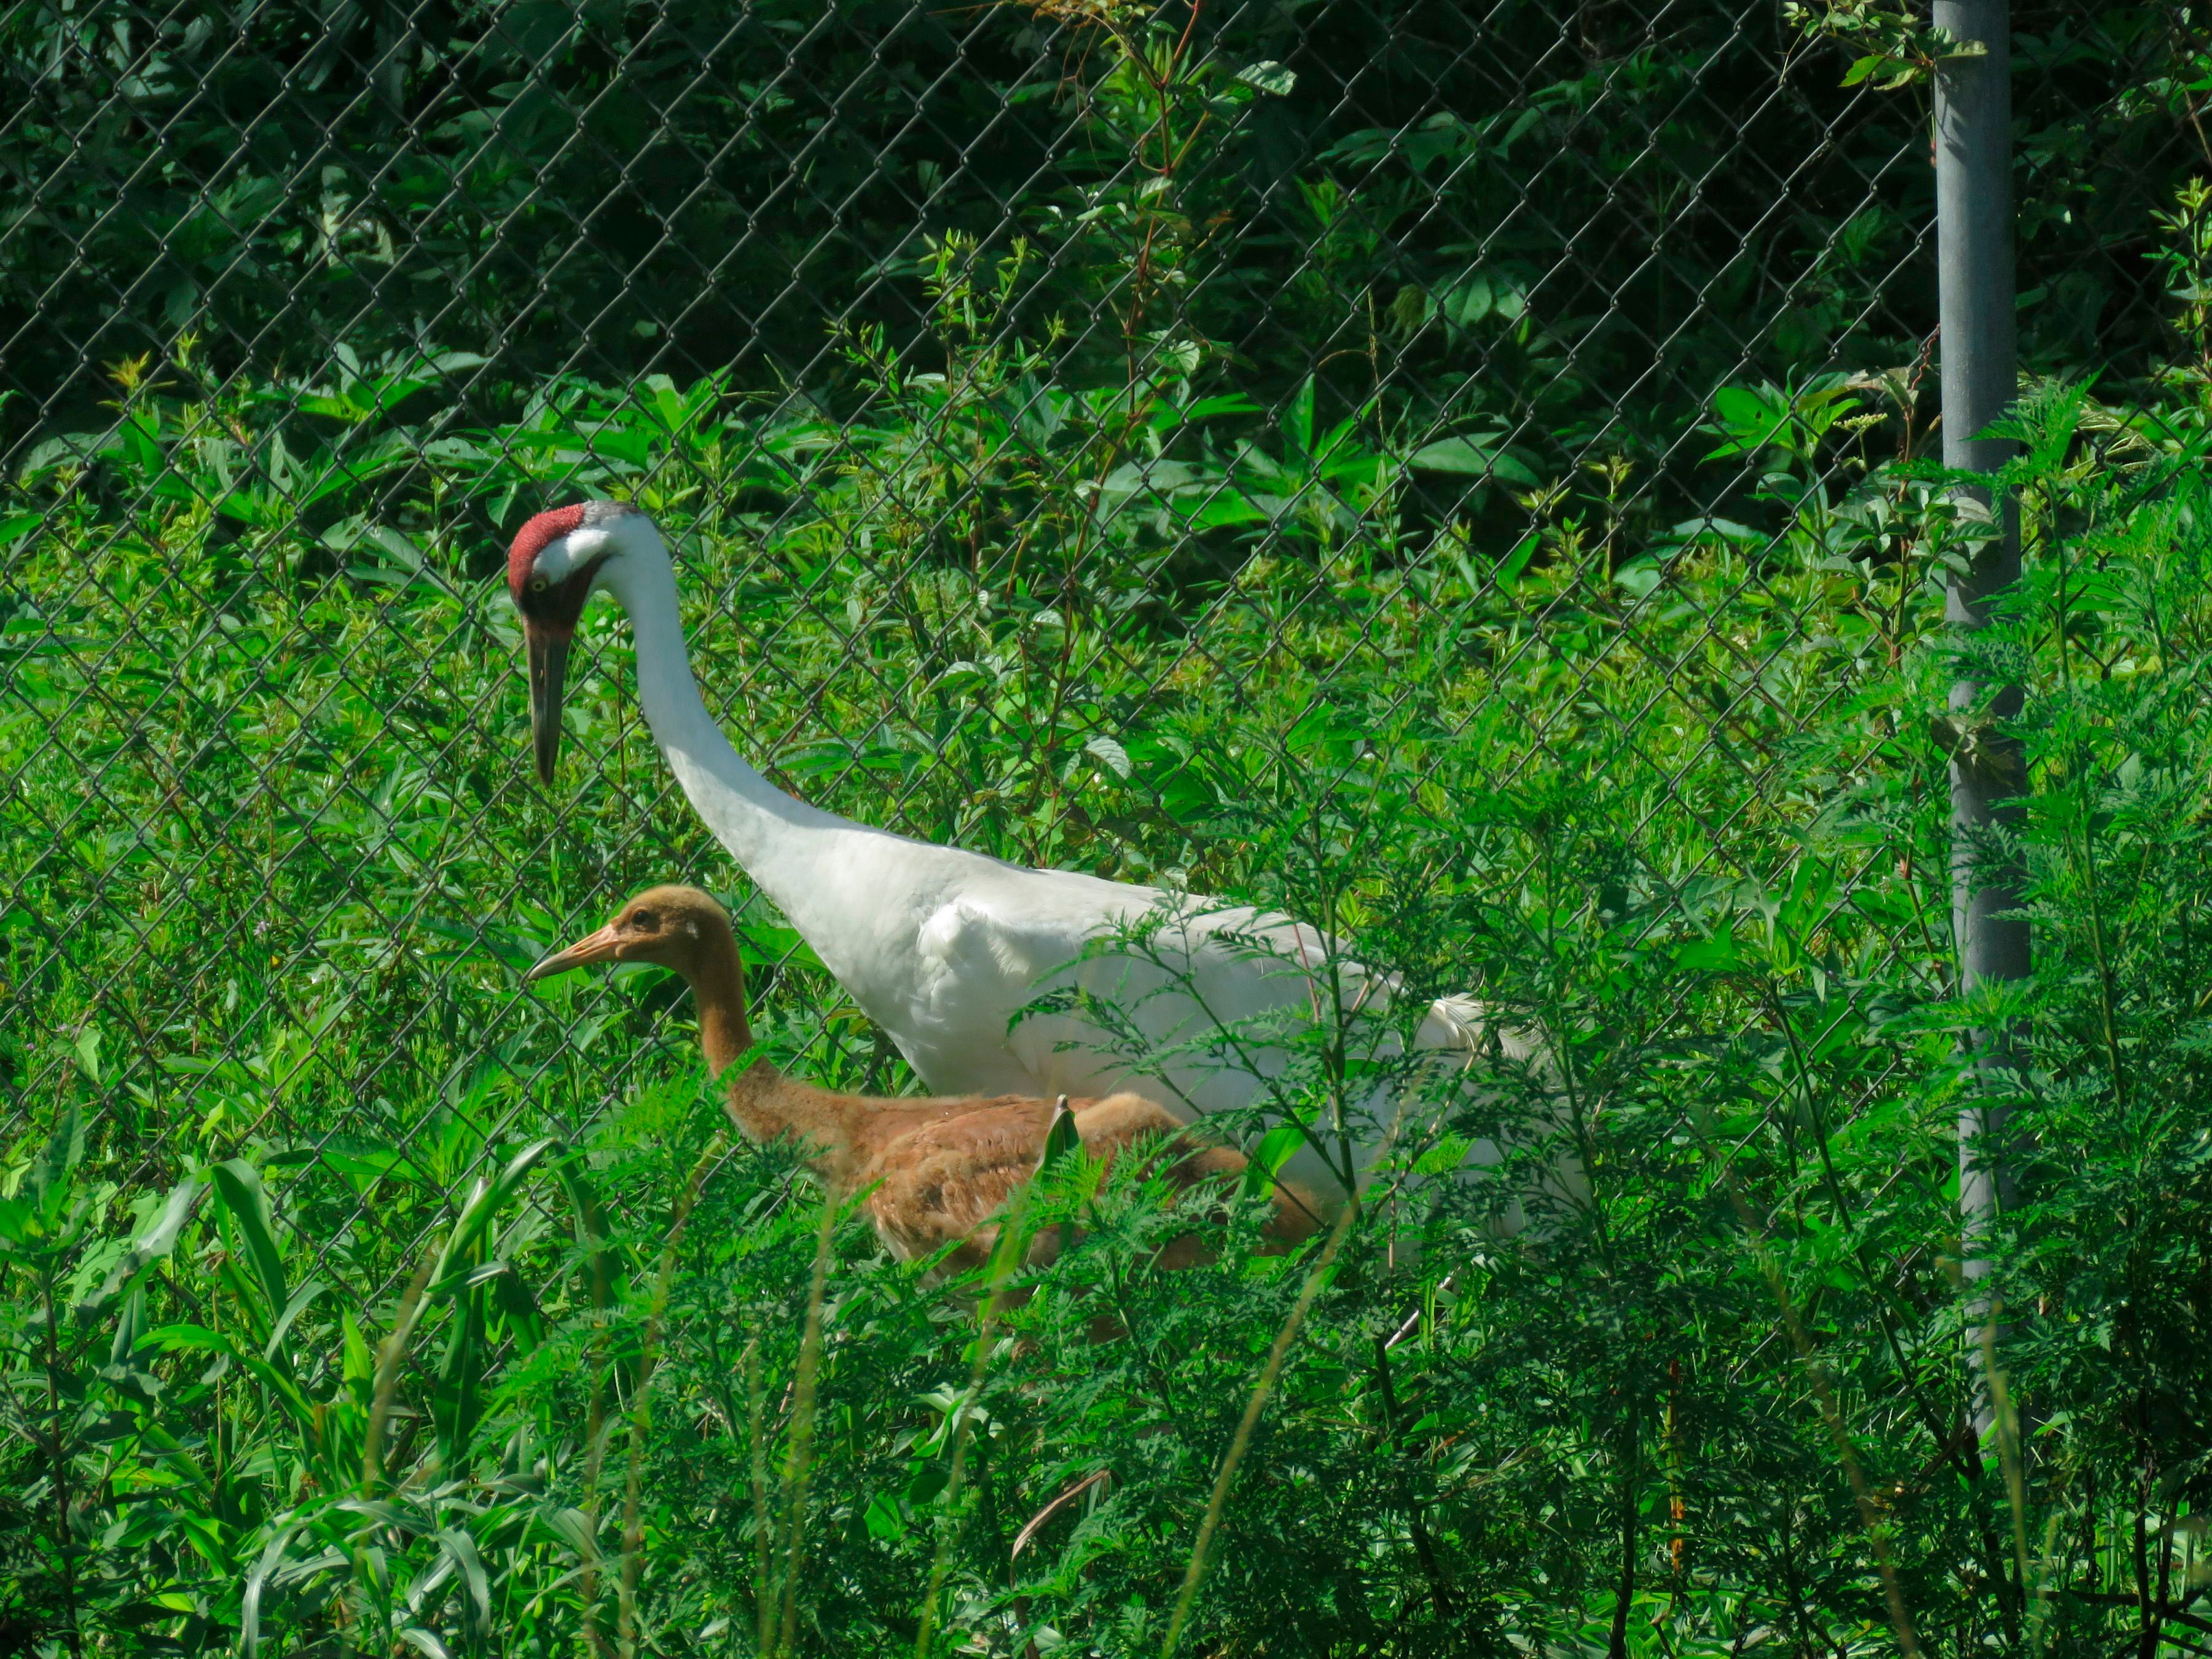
<point>1075,420</point>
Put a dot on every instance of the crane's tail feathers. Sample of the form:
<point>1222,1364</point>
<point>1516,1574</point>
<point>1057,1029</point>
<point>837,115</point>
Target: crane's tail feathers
<point>1461,1023</point>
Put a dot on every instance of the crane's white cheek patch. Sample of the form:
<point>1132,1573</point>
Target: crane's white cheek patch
<point>575,551</point>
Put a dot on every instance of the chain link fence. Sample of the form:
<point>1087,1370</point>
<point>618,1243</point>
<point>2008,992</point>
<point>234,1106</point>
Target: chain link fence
<point>1072,419</point>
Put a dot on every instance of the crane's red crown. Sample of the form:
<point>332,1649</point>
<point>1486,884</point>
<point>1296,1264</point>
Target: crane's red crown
<point>530,540</point>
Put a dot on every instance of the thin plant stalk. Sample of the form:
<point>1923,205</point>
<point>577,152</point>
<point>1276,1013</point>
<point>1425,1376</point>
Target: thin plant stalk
<point>641,1416</point>
<point>1011,1244</point>
<point>1900,1617</point>
<point>764,1544</point>
<point>800,1465</point>
<point>1425,1550</point>
<point>596,1428</point>
<point>1632,1461</point>
<point>1253,1408</point>
<point>2009,1457</point>
<point>64,1549</point>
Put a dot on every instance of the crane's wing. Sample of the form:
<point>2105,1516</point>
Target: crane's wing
<point>949,1182</point>
<point>1150,986</point>
<point>974,964</point>
<point>1186,1000</point>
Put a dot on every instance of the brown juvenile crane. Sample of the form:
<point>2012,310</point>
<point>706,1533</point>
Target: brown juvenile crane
<point>935,1171</point>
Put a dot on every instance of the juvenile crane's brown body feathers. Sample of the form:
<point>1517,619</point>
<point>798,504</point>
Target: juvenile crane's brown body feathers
<point>935,1171</point>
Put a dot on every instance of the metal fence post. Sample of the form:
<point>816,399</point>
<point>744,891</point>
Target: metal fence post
<point>1974,254</point>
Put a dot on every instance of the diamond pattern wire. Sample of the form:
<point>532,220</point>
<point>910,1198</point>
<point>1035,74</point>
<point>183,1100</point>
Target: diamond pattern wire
<point>1054,372</point>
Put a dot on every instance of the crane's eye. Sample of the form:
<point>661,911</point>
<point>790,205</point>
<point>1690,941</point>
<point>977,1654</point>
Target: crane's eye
<point>646,920</point>
<point>539,584</point>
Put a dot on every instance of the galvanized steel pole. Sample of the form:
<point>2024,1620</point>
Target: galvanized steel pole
<point>1974,254</point>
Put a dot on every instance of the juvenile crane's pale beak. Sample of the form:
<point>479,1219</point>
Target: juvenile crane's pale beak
<point>593,947</point>
<point>548,649</point>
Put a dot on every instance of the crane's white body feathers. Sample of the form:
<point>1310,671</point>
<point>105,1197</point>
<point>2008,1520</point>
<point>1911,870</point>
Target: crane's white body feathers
<point>944,948</point>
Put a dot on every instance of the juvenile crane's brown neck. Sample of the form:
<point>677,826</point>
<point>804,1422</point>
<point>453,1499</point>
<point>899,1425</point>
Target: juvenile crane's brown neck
<point>717,988</point>
<point>764,1104</point>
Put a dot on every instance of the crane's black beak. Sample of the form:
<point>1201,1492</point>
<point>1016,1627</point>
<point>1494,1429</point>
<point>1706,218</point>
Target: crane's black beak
<point>548,647</point>
<point>593,947</point>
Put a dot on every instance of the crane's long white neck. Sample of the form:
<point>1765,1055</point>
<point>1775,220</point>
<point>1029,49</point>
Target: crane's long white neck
<point>788,847</point>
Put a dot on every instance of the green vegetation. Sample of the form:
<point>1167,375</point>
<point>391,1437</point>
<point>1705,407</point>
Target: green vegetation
<point>354,1299</point>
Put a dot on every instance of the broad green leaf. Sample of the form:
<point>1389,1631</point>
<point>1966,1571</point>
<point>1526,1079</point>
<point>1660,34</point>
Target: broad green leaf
<point>1276,1148</point>
<point>1298,422</point>
<point>359,1364</point>
<point>49,1185</point>
<point>1718,954</point>
<point>273,1554</point>
<point>884,1517</point>
<point>476,1214</point>
<point>573,1528</point>
<point>1061,1140</point>
<point>1228,509</point>
<point>461,1549</point>
<point>1511,567</point>
<point>293,1307</point>
<point>159,1238</point>
<point>237,1185</point>
<point>1268,77</point>
<point>1474,457</point>
<point>188,1338</point>
<point>1108,753</point>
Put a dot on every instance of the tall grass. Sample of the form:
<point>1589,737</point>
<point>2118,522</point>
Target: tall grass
<point>357,1299</point>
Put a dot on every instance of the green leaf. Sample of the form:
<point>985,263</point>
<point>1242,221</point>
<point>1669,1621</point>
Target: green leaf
<point>602,1260</point>
<point>475,1215</point>
<point>1298,422</point>
<point>57,1161</point>
<point>287,1391</point>
<point>572,1529</point>
<point>1276,1148</point>
<point>189,1338</point>
<point>237,1185</point>
<point>462,1549</point>
<point>1473,456</point>
<point>1207,409</point>
<point>1062,1139</point>
<point>1718,954</point>
<point>130,1327</point>
<point>885,1518</point>
<point>14,526</point>
<point>359,1364</point>
<point>1228,509</point>
<point>1750,419</point>
<point>1444,1157</point>
<point>1637,576</point>
<point>1268,77</point>
<point>1108,754</point>
<point>300,1299</point>
<point>156,1242</point>
<point>273,1554</point>
<point>1511,567</point>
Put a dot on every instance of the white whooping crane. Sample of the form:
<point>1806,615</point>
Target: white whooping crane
<point>943,947</point>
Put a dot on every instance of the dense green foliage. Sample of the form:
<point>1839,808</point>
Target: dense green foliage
<point>1574,222</point>
<point>1567,630</point>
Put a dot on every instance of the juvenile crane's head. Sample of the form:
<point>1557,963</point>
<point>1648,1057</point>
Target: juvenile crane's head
<point>675,928</point>
<point>556,561</point>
